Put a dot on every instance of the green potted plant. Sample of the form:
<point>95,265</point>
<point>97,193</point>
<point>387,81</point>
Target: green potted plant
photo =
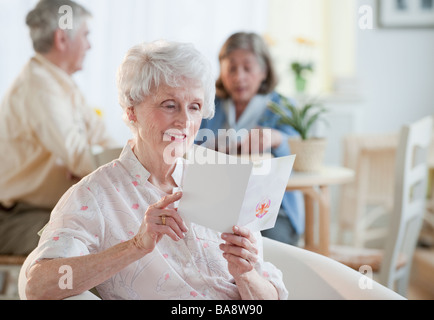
<point>302,66</point>
<point>308,149</point>
<point>300,71</point>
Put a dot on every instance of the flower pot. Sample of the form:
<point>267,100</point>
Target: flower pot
<point>309,153</point>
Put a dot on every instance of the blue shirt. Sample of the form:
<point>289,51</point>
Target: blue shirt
<point>292,202</point>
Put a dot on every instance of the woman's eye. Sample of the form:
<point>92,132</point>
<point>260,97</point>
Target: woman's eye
<point>169,106</point>
<point>195,107</point>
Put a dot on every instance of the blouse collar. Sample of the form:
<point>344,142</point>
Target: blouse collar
<point>139,173</point>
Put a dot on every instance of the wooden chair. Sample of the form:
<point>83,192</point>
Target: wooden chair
<point>427,234</point>
<point>10,266</point>
<point>411,172</point>
<point>368,199</point>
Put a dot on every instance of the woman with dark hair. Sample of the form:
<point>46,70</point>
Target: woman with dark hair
<point>244,88</point>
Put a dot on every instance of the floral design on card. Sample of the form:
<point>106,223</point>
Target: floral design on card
<point>262,208</point>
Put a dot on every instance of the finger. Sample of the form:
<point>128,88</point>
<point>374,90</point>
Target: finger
<point>167,200</point>
<point>238,260</point>
<point>172,219</point>
<point>157,228</point>
<point>172,214</point>
<point>239,234</point>
<point>241,242</point>
<point>244,232</point>
<point>243,263</point>
<point>177,226</point>
<point>239,252</point>
<point>167,230</point>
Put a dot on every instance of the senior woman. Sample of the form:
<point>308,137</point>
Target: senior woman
<point>245,86</point>
<point>118,228</point>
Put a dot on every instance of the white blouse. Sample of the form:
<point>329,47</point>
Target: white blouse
<point>107,207</point>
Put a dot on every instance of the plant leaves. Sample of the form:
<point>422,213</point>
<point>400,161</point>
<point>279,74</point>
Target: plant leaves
<point>300,118</point>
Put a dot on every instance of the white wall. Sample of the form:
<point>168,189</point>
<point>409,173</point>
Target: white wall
<point>396,71</point>
<point>116,26</point>
<point>395,68</point>
<point>391,71</point>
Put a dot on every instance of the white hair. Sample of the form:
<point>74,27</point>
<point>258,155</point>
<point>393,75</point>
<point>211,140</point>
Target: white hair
<point>43,22</point>
<point>147,65</point>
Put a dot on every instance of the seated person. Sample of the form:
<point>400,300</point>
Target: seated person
<point>244,88</point>
<point>46,128</point>
<point>118,228</point>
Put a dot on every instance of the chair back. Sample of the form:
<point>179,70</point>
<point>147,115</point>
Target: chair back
<point>103,156</point>
<point>369,197</point>
<point>411,173</point>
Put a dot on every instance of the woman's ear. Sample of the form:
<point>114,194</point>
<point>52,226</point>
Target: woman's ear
<point>131,115</point>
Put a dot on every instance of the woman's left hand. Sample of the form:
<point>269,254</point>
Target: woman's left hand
<point>240,251</point>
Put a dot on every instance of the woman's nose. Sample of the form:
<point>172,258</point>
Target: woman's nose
<point>239,74</point>
<point>183,118</point>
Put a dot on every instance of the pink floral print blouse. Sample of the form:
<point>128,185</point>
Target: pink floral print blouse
<point>107,207</point>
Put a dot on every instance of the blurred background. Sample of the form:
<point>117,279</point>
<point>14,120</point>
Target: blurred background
<point>373,79</point>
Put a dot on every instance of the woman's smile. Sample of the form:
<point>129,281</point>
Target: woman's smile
<point>175,136</point>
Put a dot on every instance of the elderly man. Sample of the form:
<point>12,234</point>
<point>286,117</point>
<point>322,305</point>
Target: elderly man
<point>46,128</point>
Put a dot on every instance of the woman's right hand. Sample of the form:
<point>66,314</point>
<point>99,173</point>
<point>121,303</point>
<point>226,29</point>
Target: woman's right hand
<point>159,220</point>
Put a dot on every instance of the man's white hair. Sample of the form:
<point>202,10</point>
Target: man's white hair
<point>43,22</point>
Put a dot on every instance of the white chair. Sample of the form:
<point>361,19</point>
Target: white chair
<point>411,173</point>
<point>411,177</point>
<point>307,275</point>
<point>311,276</point>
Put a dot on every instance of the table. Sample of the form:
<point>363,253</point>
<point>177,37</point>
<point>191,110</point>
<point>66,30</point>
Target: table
<point>315,188</point>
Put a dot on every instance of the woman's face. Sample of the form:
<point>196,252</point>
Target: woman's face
<point>168,120</point>
<point>241,75</point>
